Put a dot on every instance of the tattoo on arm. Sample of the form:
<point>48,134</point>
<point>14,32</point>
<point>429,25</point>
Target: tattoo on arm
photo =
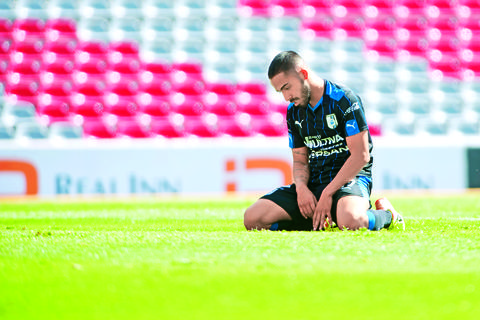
<point>301,172</point>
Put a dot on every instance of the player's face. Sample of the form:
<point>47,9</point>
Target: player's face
<point>293,87</point>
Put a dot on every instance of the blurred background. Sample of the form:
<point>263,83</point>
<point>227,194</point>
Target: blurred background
<point>128,90</point>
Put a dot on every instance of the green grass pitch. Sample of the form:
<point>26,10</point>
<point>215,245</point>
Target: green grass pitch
<point>180,258</point>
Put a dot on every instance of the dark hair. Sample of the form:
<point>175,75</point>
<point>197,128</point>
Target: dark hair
<point>285,61</point>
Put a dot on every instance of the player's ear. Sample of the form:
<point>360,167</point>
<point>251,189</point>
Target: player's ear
<point>305,73</point>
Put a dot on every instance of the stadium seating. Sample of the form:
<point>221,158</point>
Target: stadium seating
<point>65,130</point>
<point>197,67</point>
<point>31,130</point>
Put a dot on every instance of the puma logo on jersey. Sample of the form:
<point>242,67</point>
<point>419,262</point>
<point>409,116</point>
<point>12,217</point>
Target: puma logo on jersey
<point>351,127</point>
<point>299,123</point>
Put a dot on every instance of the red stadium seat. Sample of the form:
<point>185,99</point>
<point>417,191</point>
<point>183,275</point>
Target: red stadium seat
<point>472,5</point>
<point>321,26</point>
<point>168,127</point>
<point>254,88</point>
<point>204,126</point>
<point>472,45</point>
<point>95,67</point>
<point>126,87</point>
<point>221,88</point>
<point>59,65</point>
<point>128,66</point>
<point>62,46</point>
<point>99,129</point>
<point>126,47</point>
<point>178,76</point>
<point>22,82</point>
<point>187,105</point>
<point>3,69</point>
<point>383,46</point>
<point>122,50</point>
<point>159,67</point>
<point>157,87</point>
<point>449,44</point>
<point>270,125</point>
<point>153,105</point>
<point>54,109</point>
<point>94,48</point>
<point>280,8</point>
<point>88,108</point>
<point>471,23</point>
<point>313,8</point>
<point>189,68</point>
<point>121,106</point>
<point>61,87</point>
<point>385,25</point>
<point>189,86</point>
<point>279,107</point>
<point>414,24</point>
<point>382,5</point>
<point>94,88</point>
<point>437,8</point>
<point>5,45</point>
<point>351,26</point>
<point>254,7</point>
<point>23,90</point>
<point>321,6</point>
<point>472,65</point>
<point>238,125</point>
<point>219,98</point>
<point>60,28</point>
<point>445,23</point>
<point>414,46</point>
<point>448,66</point>
<point>148,80</point>
<point>252,104</point>
<point>29,28</point>
<point>6,26</point>
<point>345,8</point>
<point>413,6</point>
<point>30,46</point>
<point>133,128</point>
<point>220,104</point>
<point>27,66</point>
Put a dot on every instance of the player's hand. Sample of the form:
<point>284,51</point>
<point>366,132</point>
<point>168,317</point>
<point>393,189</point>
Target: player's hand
<point>306,201</point>
<point>323,213</point>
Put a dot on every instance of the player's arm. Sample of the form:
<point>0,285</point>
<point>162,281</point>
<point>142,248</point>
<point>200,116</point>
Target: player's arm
<point>301,174</point>
<point>359,157</point>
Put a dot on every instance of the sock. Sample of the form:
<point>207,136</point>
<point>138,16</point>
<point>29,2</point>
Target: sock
<point>274,227</point>
<point>379,219</point>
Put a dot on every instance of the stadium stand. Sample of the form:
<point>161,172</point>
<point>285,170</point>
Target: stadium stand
<point>196,68</point>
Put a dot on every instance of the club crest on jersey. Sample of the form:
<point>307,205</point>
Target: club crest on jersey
<point>331,121</point>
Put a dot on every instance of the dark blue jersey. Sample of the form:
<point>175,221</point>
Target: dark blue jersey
<point>323,129</point>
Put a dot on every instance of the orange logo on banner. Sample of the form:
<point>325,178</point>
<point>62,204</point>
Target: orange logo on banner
<point>27,169</point>
<point>261,163</point>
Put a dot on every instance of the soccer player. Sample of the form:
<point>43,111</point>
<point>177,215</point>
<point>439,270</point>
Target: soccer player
<point>332,158</point>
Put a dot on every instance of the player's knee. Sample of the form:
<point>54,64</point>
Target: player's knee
<point>250,218</point>
<point>254,217</point>
<point>352,220</point>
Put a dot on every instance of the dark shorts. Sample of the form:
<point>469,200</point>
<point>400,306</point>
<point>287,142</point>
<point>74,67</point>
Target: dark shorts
<point>286,197</point>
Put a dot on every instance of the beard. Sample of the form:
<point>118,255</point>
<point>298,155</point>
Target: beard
<point>305,96</point>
